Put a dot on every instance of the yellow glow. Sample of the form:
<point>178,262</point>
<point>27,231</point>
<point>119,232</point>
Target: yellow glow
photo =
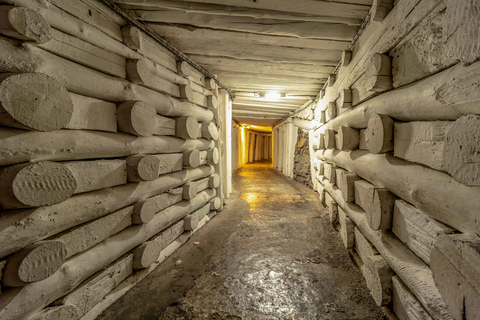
<point>257,128</point>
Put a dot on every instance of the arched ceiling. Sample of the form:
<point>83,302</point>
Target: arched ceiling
<point>259,48</point>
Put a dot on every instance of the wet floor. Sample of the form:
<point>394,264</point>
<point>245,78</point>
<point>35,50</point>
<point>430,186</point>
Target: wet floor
<point>270,254</point>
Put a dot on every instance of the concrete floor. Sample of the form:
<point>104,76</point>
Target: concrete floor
<point>270,254</point>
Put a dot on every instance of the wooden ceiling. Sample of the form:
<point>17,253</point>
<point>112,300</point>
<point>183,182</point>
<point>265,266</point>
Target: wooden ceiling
<point>259,47</point>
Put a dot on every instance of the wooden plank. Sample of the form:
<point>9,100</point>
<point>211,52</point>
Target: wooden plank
<point>94,289</point>
<point>311,30</point>
<point>301,6</point>
<point>82,52</point>
<point>417,230</point>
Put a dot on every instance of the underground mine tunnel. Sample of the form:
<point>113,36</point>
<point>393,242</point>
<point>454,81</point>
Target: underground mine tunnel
<point>265,159</point>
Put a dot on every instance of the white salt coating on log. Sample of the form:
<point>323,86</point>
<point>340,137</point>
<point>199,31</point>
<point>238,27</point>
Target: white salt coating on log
<point>421,142</point>
<point>193,219</point>
<point>346,182</point>
<point>21,146</point>
<point>136,117</point>
<point>462,150</point>
<point>150,167</point>
<point>34,185</point>
<point>143,73</point>
<point>346,229</point>
<point>132,37</point>
<point>215,203</point>
<point>417,230</point>
<point>405,305</point>
<point>145,210</point>
<point>24,227</point>
<point>92,114</point>
<point>411,269</point>
<point>56,313</point>
<point>210,157</point>
<point>379,134</point>
<point>19,304</point>
<point>346,57</point>
<point>381,8</point>
<point>455,266</point>
<point>344,100</point>
<point>24,24</point>
<point>85,236</point>
<point>210,131</point>
<point>330,139</point>
<point>186,92</point>
<point>214,181</point>
<point>92,83</point>
<point>191,158</point>
<point>348,138</point>
<point>34,263</point>
<point>95,288</point>
<point>331,110</point>
<point>363,247</point>
<point>362,145</point>
<point>187,128</point>
<point>379,279</point>
<point>33,101</point>
<point>378,76</point>
<point>380,203</point>
<point>99,174</point>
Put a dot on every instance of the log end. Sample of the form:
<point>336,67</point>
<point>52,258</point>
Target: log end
<point>29,25</point>
<point>215,203</point>
<point>212,102</point>
<point>34,101</point>
<point>379,134</point>
<point>192,158</point>
<point>186,92</point>
<point>136,117</point>
<point>189,191</point>
<point>214,181</point>
<point>148,167</point>
<point>34,263</point>
<point>41,184</point>
<point>63,312</point>
<point>144,211</point>
<point>210,83</point>
<point>379,279</point>
<point>146,254</point>
<point>462,150</point>
<point>213,156</point>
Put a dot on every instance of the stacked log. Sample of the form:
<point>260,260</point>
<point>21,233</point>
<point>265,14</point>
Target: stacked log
<point>100,134</point>
<point>406,155</point>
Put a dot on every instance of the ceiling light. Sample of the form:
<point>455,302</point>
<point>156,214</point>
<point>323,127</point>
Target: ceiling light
<point>272,95</point>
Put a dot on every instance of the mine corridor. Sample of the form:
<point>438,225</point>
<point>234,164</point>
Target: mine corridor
<point>238,159</point>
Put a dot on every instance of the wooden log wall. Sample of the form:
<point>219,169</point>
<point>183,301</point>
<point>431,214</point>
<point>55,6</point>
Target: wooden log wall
<point>109,157</point>
<point>395,153</point>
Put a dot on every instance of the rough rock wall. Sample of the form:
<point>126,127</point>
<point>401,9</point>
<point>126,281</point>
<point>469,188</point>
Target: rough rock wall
<point>301,167</point>
<point>108,157</point>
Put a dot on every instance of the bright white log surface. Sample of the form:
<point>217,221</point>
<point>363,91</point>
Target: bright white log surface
<point>33,185</point>
<point>17,234</point>
<point>455,262</point>
<point>61,145</point>
<point>92,114</point>
<point>405,305</point>
<point>92,83</point>
<point>19,304</point>
<point>150,167</point>
<point>446,95</point>
<point>425,188</point>
<point>24,24</point>
<point>417,230</point>
<point>33,101</point>
<point>95,288</point>
<point>411,269</point>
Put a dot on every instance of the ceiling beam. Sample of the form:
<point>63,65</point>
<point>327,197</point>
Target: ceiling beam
<point>323,8</point>
<point>228,10</point>
<point>311,30</point>
<point>182,33</point>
